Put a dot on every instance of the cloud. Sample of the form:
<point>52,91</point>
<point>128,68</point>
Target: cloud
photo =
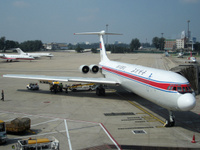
<point>190,1</point>
<point>20,4</point>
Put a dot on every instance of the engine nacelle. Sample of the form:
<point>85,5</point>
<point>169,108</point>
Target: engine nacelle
<point>84,69</point>
<point>94,68</point>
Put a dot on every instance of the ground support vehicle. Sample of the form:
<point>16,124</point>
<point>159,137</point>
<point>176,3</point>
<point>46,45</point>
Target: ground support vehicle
<point>50,143</point>
<point>18,125</point>
<point>3,135</point>
<point>32,86</point>
<point>56,87</point>
<point>82,87</point>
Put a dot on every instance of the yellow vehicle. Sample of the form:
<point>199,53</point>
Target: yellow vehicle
<point>50,143</point>
<point>82,87</point>
<point>56,87</point>
<point>3,135</point>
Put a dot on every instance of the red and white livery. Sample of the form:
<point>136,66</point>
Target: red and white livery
<point>165,88</point>
<point>10,57</point>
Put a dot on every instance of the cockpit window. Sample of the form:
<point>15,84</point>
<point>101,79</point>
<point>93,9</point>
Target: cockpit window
<point>179,89</point>
<point>186,88</point>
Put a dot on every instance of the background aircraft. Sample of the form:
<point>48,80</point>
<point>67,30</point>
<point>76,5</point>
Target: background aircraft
<point>192,59</point>
<point>180,55</point>
<point>167,89</point>
<point>10,57</point>
<point>35,55</point>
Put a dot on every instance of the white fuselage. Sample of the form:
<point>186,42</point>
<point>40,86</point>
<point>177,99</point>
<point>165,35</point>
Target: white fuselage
<point>38,54</point>
<point>15,57</point>
<point>158,86</point>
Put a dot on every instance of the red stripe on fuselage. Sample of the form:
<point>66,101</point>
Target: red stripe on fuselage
<point>163,86</point>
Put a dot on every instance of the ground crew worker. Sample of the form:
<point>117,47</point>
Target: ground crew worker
<point>2,95</point>
<point>61,87</point>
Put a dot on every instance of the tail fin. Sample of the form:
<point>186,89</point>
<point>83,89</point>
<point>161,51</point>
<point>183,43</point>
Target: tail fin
<point>19,51</point>
<point>102,46</point>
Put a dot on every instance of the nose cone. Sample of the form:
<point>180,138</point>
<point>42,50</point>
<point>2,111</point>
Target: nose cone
<point>186,102</point>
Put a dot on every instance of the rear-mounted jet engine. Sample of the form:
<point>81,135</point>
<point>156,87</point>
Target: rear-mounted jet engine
<point>94,68</point>
<point>84,69</point>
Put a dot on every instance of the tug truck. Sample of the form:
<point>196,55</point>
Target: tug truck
<point>3,135</point>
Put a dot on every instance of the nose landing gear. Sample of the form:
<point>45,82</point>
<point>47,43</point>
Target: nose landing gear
<point>171,121</point>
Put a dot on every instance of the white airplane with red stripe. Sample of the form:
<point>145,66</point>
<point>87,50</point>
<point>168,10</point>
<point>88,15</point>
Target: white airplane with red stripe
<point>165,88</point>
<point>11,57</point>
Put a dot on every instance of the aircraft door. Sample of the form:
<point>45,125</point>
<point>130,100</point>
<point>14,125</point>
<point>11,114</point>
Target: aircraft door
<point>148,85</point>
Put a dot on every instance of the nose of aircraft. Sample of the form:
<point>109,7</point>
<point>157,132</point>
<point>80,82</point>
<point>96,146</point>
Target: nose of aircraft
<point>186,102</point>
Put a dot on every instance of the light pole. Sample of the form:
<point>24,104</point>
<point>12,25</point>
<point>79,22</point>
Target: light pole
<point>106,35</point>
<point>162,44</point>
<point>188,30</point>
<point>188,38</point>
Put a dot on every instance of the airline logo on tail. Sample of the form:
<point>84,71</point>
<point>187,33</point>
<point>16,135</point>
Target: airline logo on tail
<point>100,46</point>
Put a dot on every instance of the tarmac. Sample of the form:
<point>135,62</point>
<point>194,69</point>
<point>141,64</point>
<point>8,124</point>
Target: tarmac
<point>83,120</point>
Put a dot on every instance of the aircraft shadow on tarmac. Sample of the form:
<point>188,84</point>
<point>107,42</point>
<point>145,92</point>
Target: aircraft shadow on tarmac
<point>89,94</point>
<point>187,120</point>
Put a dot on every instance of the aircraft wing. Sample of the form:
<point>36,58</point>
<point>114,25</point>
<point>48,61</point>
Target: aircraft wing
<point>66,79</point>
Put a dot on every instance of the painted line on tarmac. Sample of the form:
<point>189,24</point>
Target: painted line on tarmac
<point>110,136</point>
<point>45,122</point>
<point>147,112</point>
<point>68,137</point>
<point>144,110</point>
<point>44,116</point>
<point>57,118</point>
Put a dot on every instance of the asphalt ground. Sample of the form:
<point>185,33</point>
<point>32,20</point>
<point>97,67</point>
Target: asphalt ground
<point>83,120</point>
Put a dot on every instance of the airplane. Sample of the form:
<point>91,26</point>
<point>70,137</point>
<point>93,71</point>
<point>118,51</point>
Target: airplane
<point>180,55</point>
<point>191,59</point>
<point>164,88</point>
<point>11,57</point>
<point>35,55</point>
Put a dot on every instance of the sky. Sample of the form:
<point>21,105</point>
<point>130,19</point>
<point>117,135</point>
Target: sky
<point>58,20</point>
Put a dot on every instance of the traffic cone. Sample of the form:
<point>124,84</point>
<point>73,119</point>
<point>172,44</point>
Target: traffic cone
<point>193,139</point>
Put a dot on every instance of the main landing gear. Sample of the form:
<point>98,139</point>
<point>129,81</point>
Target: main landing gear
<point>171,121</point>
<point>100,90</point>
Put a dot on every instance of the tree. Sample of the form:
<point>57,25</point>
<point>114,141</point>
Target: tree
<point>197,46</point>
<point>135,44</point>
<point>155,42</point>
<point>161,43</point>
<point>31,45</point>
<point>94,50</point>
<point>79,49</point>
<point>11,44</point>
<point>2,42</point>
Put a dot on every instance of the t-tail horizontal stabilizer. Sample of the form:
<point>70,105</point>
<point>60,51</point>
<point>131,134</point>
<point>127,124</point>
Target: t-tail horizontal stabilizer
<point>102,46</point>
